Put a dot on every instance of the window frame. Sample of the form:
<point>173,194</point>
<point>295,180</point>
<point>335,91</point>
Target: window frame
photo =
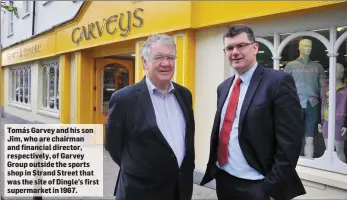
<point>45,3</point>
<point>10,20</point>
<point>47,110</point>
<point>26,9</point>
<point>13,78</point>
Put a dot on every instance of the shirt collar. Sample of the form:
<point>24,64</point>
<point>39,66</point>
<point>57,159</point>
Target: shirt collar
<point>246,77</point>
<point>152,88</point>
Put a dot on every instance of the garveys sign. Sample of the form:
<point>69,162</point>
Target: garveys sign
<point>121,23</point>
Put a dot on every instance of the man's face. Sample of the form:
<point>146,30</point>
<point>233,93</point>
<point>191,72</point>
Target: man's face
<point>160,66</point>
<point>241,52</point>
<point>305,47</point>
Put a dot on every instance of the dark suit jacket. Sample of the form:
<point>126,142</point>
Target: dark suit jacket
<point>148,166</point>
<point>270,131</point>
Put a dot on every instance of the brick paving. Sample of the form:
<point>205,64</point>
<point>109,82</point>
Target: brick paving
<point>110,175</point>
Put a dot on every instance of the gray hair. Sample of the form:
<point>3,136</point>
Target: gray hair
<point>162,38</point>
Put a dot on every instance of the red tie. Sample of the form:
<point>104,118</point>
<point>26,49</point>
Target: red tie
<point>228,123</point>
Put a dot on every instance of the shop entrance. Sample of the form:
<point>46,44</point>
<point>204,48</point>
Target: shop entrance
<point>112,74</point>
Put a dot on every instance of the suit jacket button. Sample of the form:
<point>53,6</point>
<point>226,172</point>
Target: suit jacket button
<point>172,155</point>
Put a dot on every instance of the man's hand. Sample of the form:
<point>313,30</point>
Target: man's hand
<point>272,198</point>
<point>319,128</point>
<point>343,131</point>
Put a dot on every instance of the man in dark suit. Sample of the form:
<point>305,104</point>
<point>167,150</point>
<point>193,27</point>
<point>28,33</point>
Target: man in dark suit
<point>150,130</point>
<point>257,131</point>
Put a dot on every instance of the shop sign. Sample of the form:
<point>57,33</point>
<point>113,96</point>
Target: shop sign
<point>111,25</point>
<point>24,52</point>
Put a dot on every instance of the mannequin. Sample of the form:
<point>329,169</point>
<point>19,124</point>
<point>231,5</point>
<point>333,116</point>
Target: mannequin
<point>309,78</point>
<point>341,113</point>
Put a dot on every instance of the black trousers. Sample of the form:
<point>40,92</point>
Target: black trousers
<point>232,188</point>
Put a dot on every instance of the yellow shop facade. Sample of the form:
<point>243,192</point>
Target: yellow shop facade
<point>67,74</point>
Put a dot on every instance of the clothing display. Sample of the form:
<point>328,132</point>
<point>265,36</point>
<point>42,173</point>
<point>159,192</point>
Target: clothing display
<point>309,78</point>
<point>341,111</point>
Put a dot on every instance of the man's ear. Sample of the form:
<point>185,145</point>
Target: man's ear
<point>144,62</point>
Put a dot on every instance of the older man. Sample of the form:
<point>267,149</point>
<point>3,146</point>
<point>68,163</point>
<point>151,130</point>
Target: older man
<point>150,130</point>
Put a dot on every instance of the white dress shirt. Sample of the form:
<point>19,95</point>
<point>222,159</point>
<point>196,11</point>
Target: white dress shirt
<point>237,164</point>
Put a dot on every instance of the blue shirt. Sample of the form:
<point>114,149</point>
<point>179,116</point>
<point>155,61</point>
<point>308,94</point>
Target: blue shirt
<point>309,80</point>
<point>237,164</point>
<point>170,119</point>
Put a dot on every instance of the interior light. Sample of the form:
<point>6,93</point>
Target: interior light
<point>341,28</point>
<point>133,55</point>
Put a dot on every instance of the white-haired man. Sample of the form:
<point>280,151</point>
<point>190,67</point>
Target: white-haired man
<point>150,130</point>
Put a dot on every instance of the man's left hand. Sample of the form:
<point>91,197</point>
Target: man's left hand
<point>343,131</point>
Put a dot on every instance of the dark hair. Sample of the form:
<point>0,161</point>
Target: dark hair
<point>238,29</point>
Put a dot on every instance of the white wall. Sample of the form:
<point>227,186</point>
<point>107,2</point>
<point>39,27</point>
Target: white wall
<point>210,70</point>
<point>46,16</point>
<point>31,113</point>
<point>319,20</point>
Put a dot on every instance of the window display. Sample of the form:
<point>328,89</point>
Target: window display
<point>341,113</point>
<point>309,78</point>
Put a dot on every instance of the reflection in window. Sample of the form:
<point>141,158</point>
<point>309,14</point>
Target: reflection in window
<point>115,77</point>
<point>305,59</point>
<point>50,83</point>
<point>264,56</point>
<point>20,85</point>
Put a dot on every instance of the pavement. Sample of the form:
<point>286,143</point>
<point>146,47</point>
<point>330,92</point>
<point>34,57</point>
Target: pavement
<point>110,175</point>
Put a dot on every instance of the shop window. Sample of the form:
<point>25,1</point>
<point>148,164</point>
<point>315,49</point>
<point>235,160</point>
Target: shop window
<point>305,58</point>
<point>50,85</point>
<point>20,78</point>
<point>264,56</point>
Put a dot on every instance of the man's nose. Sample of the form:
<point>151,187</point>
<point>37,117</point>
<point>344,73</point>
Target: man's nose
<point>235,52</point>
<point>165,62</point>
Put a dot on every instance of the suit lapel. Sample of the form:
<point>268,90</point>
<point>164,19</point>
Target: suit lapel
<point>147,107</point>
<point>253,85</point>
<point>224,93</point>
<point>182,104</point>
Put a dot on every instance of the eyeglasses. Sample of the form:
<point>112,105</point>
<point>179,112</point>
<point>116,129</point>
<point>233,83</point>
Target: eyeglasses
<point>161,58</point>
<point>239,47</point>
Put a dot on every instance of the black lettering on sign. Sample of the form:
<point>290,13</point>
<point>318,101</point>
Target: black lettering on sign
<point>109,25</point>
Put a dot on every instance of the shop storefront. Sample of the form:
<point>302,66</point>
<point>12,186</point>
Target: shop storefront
<point>68,74</point>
